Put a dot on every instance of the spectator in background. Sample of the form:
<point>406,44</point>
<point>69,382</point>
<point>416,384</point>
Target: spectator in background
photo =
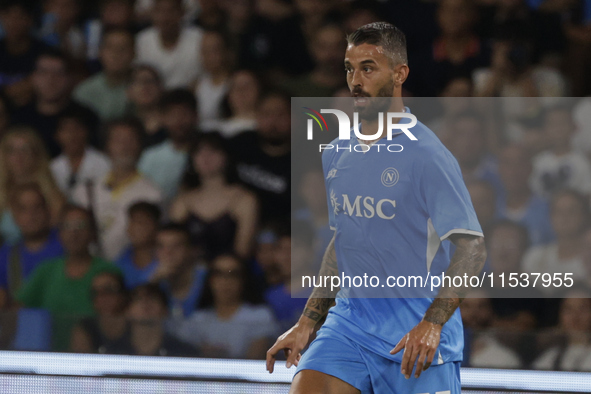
<point>457,51</point>
<point>513,74</point>
<point>237,18</point>
<point>170,47</point>
<point>52,84</point>
<point>229,326</point>
<point>79,162</point>
<point>59,27</point>
<point>484,348</point>
<point>220,215</point>
<point>293,255</point>
<point>143,10</point>
<point>240,104</point>
<point>570,218</point>
<point>63,285</point>
<point>265,264</point>
<point>263,43</point>
<point>507,245</point>
<point>573,352</point>
<point>560,166</point>
<point>18,49</point>
<point>147,312</point>
<point>210,15</point>
<point>455,100</point>
<point>23,160</point>
<point>315,213</point>
<point>213,85</point>
<point>165,163</point>
<point>105,92</point>
<point>468,143</point>
<point>524,22</point>
<point>111,196</point>
<point>517,202</point>
<point>313,15</point>
<point>109,300</point>
<point>40,241</point>
<point>327,48</point>
<point>178,273</point>
<point>263,157</point>
<point>483,198</point>
<point>113,14</point>
<point>138,261</point>
<point>508,242</point>
<point>581,141</point>
<point>144,94</point>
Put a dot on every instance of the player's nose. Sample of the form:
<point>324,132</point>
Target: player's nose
<point>356,79</point>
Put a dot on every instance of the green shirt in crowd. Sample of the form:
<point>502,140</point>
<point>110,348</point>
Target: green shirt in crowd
<point>66,298</point>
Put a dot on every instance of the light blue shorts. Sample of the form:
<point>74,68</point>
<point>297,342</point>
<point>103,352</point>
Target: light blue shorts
<point>336,355</point>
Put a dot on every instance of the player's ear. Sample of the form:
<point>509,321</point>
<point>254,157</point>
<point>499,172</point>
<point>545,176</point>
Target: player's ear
<point>400,74</point>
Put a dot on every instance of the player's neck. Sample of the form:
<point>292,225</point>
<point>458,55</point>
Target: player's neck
<point>371,126</point>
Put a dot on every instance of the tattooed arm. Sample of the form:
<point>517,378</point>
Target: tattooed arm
<point>293,341</point>
<point>468,259</point>
<point>423,340</point>
<point>322,298</point>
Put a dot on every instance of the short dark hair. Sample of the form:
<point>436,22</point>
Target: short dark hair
<point>383,34</point>
<point>521,230</point>
<point>78,114</point>
<point>117,30</point>
<point>178,97</point>
<point>79,208</point>
<point>54,53</point>
<point>131,122</point>
<point>147,208</point>
<point>176,228</point>
<point>152,290</point>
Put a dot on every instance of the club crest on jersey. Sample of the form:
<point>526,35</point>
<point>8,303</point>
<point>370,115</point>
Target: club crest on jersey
<point>390,177</point>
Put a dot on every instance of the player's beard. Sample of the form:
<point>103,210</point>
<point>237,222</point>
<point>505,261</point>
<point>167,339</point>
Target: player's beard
<point>380,103</point>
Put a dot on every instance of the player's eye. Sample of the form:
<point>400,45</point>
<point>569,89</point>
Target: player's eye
<point>367,69</point>
<point>348,70</point>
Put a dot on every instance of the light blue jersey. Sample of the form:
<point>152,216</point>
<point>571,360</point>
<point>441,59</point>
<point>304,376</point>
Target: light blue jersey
<point>392,214</point>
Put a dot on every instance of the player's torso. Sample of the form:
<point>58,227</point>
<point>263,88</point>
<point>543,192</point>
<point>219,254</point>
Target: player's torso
<point>380,219</point>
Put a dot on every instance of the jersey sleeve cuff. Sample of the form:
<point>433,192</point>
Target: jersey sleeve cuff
<point>461,231</point>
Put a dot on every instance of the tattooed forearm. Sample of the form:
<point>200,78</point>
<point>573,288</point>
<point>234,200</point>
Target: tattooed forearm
<point>322,297</point>
<point>316,308</point>
<point>468,259</point>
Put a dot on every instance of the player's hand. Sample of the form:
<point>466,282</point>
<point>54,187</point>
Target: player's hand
<point>421,342</point>
<point>291,342</point>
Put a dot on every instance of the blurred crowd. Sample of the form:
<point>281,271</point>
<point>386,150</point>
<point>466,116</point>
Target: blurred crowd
<point>145,155</point>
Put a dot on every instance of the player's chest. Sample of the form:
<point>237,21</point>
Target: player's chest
<point>369,186</point>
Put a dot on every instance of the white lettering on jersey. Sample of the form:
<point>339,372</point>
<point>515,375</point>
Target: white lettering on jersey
<point>370,207</point>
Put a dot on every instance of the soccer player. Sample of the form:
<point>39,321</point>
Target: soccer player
<point>391,212</point>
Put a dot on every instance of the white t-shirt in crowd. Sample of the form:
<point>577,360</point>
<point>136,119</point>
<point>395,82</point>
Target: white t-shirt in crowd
<point>110,208</point>
<point>574,358</point>
<point>179,66</point>
<point>93,167</point>
<point>544,259</point>
<point>209,99</point>
<point>488,352</point>
<point>233,336</point>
